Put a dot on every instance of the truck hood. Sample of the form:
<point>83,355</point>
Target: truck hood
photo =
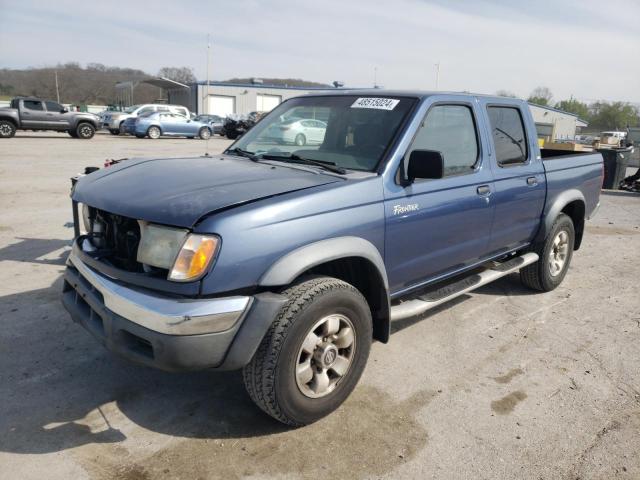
<point>180,191</point>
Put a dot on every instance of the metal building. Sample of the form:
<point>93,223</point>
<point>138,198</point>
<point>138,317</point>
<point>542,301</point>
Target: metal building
<point>553,124</point>
<point>217,98</point>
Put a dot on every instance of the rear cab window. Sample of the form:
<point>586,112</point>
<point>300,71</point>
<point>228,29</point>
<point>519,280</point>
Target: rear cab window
<point>509,137</point>
<point>33,105</point>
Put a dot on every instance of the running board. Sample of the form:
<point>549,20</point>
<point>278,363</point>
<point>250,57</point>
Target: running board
<point>432,299</point>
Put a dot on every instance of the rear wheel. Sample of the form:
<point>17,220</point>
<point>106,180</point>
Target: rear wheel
<point>85,131</point>
<point>555,256</point>
<point>7,129</point>
<point>154,132</point>
<point>204,133</point>
<point>314,353</point>
<point>300,140</point>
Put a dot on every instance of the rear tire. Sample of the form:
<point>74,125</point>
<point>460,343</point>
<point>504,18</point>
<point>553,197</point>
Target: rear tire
<point>154,132</point>
<point>313,354</point>
<point>85,131</point>
<point>7,129</point>
<point>555,256</point>
<point>204,133</point>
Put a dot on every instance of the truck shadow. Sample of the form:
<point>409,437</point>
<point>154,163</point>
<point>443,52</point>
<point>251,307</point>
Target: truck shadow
<point>36,250</point>
<point>61,389</point>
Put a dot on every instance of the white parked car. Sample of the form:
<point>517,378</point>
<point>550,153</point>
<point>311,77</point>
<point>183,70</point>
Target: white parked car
<point>300,131</point>
<point>114,121</point>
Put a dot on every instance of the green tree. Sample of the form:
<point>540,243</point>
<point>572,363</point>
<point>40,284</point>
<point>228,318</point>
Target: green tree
<point>540,96</point>
<point>506,93</point>
<point>574,106</point>
<point>614,115</point>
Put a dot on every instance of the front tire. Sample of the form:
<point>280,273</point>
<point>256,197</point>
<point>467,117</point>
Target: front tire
<point>154,132</point>
<point>7,129</point>
<point>85,131</point>
<point>300,140</point>
<point>313,354</point>
<point>555,256</point>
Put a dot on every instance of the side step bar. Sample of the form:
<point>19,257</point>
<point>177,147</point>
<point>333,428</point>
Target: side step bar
<point>432,299</point>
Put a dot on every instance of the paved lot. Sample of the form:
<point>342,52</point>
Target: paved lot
<point>502,383</point>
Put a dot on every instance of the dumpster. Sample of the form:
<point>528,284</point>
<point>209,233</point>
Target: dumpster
<point>615,166</point>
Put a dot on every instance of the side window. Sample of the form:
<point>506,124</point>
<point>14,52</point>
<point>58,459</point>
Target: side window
<point>33,105</point>
<point>53,107</point>
<point>163,109</point>
<point>146,110</point>
<point>509,138</point>
<point>450,130</point>
<point>182,111</point>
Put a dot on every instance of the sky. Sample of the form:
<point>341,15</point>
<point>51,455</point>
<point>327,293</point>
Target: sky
<point>587,49</point>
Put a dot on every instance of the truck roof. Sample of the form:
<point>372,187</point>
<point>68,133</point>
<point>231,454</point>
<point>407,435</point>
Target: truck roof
<point>421,94</point>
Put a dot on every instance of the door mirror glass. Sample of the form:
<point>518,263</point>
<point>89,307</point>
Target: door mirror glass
<point>64,110</point>
<point>425,164</point>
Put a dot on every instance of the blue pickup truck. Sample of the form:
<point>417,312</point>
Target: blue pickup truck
<point>286,260</point>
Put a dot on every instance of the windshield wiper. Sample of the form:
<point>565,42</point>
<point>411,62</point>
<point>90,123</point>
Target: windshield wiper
<point>293,158</point>
<point>244,153</point>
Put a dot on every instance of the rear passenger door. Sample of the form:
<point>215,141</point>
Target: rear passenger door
<point>518,176</point>
<point>33,115</point>
<point>437,227</point>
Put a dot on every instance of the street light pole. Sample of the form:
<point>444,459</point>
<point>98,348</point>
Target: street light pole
<point>206,96</point>
<point>437,75</point>
<point>57,89</point>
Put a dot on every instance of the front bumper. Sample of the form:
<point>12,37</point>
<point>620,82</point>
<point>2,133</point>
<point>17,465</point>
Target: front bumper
<point>166,332</point>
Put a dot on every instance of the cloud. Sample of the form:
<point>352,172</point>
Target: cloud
<point>575,47</point>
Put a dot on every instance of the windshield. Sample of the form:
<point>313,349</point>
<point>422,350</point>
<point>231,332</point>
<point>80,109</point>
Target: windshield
<point>349,131</point>
<point>131,109</point>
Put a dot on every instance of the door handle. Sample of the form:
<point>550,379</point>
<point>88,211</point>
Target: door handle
<point>532,181</point>
<point>484,190</point>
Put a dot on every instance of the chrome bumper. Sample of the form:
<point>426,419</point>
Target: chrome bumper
<point>171,316</point>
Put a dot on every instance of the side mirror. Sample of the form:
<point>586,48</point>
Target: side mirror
<point>64,110</point>
<point>425,164</point>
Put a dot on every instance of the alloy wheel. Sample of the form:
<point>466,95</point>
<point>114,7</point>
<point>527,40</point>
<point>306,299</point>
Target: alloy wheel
<point>325,355</point>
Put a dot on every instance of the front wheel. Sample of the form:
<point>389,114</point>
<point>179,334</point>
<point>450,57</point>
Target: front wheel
<point>300,140</point>
<point>314,353</point>
<point>555,256</point>
<point>7,129</point>
<point>85,131</point>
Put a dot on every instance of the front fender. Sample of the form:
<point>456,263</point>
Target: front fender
<point>289,267</point>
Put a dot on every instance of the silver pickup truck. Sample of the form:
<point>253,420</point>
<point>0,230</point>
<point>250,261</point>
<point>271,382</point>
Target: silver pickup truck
<point>30,113</point>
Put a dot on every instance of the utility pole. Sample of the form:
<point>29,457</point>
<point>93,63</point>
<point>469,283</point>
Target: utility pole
<point>57,89</point>
<point>437,75</point>
<point>206,96</point>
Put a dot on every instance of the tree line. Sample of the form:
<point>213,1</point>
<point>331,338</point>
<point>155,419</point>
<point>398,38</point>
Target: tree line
<point>601,115</point>
<point>95,84</point>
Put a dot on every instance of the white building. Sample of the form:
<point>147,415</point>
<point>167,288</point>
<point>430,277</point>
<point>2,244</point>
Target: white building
<point>553,124</point>
<point>217,98</point>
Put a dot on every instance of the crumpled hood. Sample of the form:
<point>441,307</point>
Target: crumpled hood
<point>180,191</point>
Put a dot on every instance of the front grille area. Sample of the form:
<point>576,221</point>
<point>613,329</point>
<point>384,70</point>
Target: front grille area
<point>116,239</point>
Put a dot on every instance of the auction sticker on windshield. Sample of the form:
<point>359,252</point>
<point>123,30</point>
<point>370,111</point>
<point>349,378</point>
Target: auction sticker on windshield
<point>376,103</point>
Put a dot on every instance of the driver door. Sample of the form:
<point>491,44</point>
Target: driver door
<point>439,226</point>
<point>57,116</point>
